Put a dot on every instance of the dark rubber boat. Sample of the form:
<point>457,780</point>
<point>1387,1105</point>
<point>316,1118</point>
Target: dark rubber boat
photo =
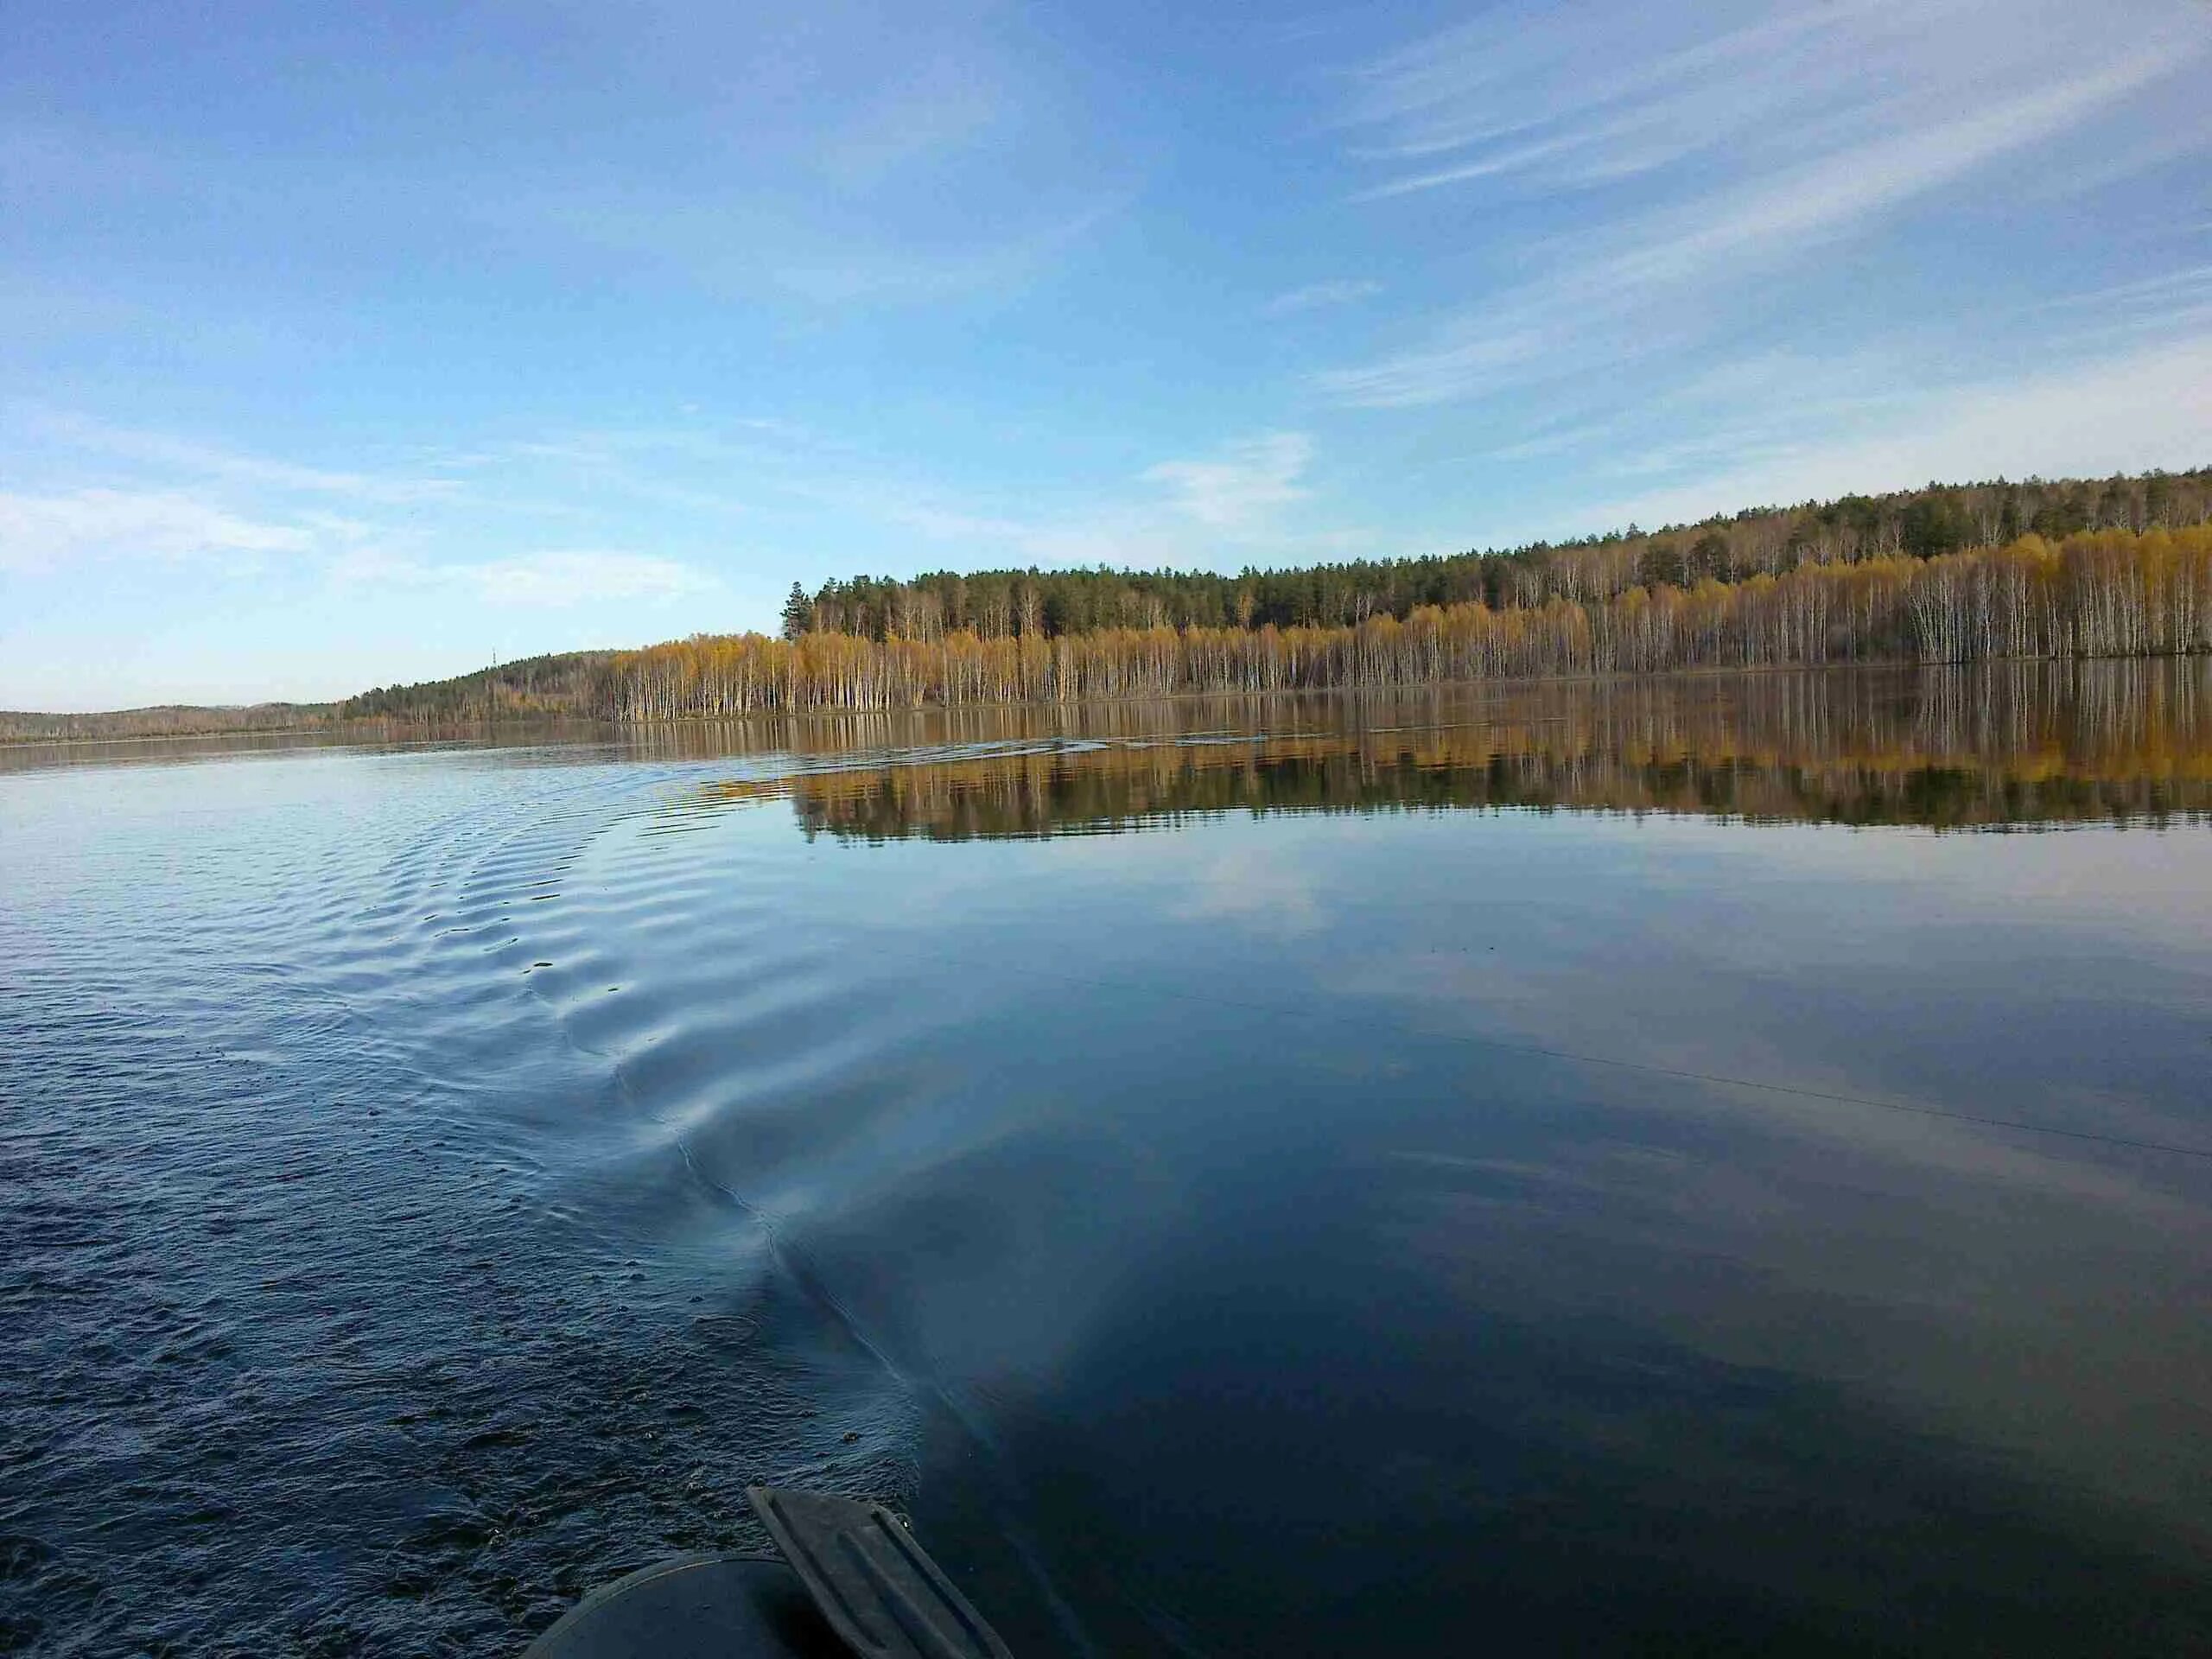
<point>851,1583</point>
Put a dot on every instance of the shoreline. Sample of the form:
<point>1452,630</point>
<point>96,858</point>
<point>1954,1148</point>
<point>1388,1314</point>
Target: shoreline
<point>394,728</point>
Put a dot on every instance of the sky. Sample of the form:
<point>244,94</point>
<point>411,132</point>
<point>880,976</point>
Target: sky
<point>344,346</point>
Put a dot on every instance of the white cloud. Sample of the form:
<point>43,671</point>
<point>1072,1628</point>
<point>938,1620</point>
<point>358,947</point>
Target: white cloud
<point>42,533</point>
<point>1240,490</point>
<point>551,579</point>
<point>1185,512</point>
<point>185,499</point>
<point>1315,296</point>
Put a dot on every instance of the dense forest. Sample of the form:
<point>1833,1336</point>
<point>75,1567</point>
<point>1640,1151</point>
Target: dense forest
<point>1915,524</point>
<point>2099,594</point>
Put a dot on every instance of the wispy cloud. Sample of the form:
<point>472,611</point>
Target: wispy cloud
<point>938,103</point>
<point>1240,490</point>
<point>1795,210</point>
<point>1463,357</point>
<point>1757,138</point>
<point>1574,97</point>
<point>166,452</point>
<point>548,579</point>
<point>2151,408</point>
<point>847,153</point>
<point>2156,294</point>
<point>1316,296</point>
<point>56,531</point>
<point>725,243</point>
<point>190,501</point>
<point>112,493</point>
<point>575,577</point>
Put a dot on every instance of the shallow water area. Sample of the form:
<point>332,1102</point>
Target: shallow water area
<point>1706,1165</point>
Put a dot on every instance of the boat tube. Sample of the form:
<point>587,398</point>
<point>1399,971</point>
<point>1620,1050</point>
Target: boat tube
<point>851,1583</point>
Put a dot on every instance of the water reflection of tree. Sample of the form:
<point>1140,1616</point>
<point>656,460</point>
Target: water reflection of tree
<point>2013,745</point>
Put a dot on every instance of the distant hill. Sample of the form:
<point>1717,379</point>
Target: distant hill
<point>559,683</point>
<point>166,720</point>
<point>549,686</point>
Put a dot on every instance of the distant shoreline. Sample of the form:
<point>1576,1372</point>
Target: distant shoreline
<point>390,727</point>
<point>162,737</point>
<point>1993,571</point>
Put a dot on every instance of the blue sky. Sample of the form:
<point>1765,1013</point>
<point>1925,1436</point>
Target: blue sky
<point>350,343</point>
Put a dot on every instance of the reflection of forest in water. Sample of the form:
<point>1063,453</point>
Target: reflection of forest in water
<point>2009,745</point>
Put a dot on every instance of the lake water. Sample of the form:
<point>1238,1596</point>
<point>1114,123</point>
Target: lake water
<point>1712,1166</point>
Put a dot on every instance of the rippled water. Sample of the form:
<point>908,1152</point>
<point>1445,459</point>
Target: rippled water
<point>1670,1167</point>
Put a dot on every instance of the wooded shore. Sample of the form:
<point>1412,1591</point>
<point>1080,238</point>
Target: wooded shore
<point>2106,594</point>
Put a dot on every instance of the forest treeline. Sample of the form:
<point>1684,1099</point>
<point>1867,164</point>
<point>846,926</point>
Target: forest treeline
<point>2111,593</point>
<point>1943,574</point>
<point>1918,525</point>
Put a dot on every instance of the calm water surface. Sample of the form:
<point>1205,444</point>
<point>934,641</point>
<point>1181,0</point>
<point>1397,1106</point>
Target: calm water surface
<point>1707,1166</point>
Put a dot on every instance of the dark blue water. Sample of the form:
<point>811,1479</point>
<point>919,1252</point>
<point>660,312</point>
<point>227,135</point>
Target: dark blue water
<point>1723,1167</point>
